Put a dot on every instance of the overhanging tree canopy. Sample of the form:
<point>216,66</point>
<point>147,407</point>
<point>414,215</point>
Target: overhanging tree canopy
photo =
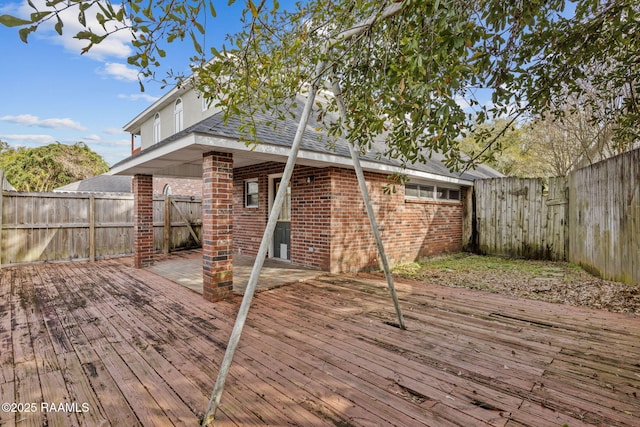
<point>426,76</point>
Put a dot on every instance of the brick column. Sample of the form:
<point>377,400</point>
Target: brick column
<point>217,224</point>
<point>142,220</point>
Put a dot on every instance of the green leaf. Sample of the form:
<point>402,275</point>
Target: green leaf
<point>212,9</point>
<point>84,35</point>
<point>37,16</point>
<point>24,32</point>
<point>196,45</point>
<point>59,25</point>
<point>252,8</point>
<point>12,21</point>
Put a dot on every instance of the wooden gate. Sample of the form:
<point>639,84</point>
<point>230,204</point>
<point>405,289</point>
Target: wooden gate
<point>521,217</point>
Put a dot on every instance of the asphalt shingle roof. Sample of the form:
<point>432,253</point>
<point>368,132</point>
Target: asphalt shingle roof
<point>316,141</point>
<point>100,184</point>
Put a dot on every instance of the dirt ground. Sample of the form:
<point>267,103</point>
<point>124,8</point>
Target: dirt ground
<point>556,282</point>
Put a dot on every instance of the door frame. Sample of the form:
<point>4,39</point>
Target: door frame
<point>271,196</point>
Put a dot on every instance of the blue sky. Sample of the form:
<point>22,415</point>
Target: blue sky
<point>52,93</point>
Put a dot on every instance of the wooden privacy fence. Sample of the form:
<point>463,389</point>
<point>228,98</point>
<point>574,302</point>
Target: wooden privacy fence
<point>522,217</point>
<point>37,227</point>
<point>604,217</point>
<point>591,218</point>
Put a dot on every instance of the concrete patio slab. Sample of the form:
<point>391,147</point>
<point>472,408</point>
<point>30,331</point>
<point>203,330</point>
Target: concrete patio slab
<point>185,268</point>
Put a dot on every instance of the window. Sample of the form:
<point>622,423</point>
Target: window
<point>156,128</point>
<point>206,102</point>
<point>251,193</point>
<point>430,192</point>
<point>178,115</point>
<point>419,191</point>
<point>454,194</point>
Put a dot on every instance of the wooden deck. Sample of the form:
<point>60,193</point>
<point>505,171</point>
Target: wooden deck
<point>125,347</point>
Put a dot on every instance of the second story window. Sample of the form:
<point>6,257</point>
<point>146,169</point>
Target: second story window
<point>178,115</point>
<point>156,128</point>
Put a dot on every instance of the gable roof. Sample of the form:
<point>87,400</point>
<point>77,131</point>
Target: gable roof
<point>99,184</point>
<point>213,133</point>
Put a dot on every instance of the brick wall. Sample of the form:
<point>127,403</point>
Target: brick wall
<point>217,225</point>
<point>142,220</point>
<point>311,217</point>
<point>410,229</point>
<point>310,212</point>
<point>330,229</point>
<point>179,186</point>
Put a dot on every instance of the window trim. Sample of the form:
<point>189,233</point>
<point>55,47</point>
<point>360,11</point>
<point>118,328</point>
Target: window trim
<point>178,115</point>
<point>247,193</point>
<point>432,192</point>
<point>157,128</point>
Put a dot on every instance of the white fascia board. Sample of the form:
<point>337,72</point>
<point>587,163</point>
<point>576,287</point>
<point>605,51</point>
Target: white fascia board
<point>154,154</point>
<point>332,159</point>
<point>233,145</point>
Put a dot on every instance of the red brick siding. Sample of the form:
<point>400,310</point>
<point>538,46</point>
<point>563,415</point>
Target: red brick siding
<point>410,230</point>
<point>310,212</point>
<point>328,215</point>
<point>311,217</point>
<point>217,225</point>
<point>179,186</point>
<point>142,220</point>
<point>251,222</point>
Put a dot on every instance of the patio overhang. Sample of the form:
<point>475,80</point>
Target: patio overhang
<point>183,158</point>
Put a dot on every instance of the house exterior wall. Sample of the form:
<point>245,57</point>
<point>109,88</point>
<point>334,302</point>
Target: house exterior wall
<point>330,229</point>
<point>192,114</point>
<point>179,186</point>
<point>410,229</point>
<point>310,212</point>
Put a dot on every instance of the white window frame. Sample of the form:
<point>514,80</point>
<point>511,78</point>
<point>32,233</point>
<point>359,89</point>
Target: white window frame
<point>178,115</point>
<point>206,103</point>
<point>247,183</point>
<point>156,128</point>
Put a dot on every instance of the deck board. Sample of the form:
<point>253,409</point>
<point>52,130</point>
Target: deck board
<point>142,350</point>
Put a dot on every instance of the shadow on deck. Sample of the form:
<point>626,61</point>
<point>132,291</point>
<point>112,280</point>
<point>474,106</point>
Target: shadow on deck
<point>121,346</point>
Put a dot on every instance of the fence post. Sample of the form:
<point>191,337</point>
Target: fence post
<point>167,224</point>
<point>92,228</point>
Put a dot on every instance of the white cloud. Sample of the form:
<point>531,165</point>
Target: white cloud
<point>30,120</point>
<point>117,44</point>
<point>120,71</point>
<point>10,8</point>
<point>91,138</point>
<point>38,139</point>
<point>139,96</point>
<point>113,131</point>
